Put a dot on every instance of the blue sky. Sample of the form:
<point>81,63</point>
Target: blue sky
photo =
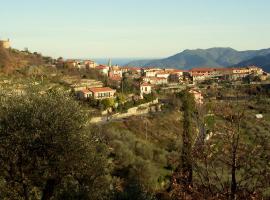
<point>133,28</point>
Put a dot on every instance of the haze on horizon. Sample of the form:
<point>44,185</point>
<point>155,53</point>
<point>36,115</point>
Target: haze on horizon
<point>129,28</point>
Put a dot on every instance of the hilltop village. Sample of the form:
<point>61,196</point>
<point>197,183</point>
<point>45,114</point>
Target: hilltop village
<point>149,79</point>
<point>112,89</point>
<point>121,91</point>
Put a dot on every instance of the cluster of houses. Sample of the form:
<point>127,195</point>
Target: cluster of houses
<point>79,64</point>
<point>151,77</point>
<point>89,88</point>
<point>200,74</point>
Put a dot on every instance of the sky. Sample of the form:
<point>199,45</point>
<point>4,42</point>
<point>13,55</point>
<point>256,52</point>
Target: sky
<point>133,28</point>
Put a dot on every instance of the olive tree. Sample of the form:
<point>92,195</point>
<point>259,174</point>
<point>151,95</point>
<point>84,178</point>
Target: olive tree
<point>45,149</point>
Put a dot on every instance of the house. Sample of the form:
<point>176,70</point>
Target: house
<point>255,70</point>
<point>96,93</point>
<point>103,69</point>
<point>198,97</point>
<point>150,77</point>
<point>137,70</point>
<point>158,81</point>
<point>115,72</point>
<point>102,93</point>
<point>198,77</point>
<point>145,88</point>
<point>240,70</point>
<point>176,76</point>
<point>220,72</point>
<point>150,73</point>
<point>163,75</point>
<point>70,63</point>
<point>84,94</point>
<point>89,64</point>
<point>115,81</point>
<point>200,74</point>
<point>78,85</point>
<point>131,70</point>
<point>264,76</point>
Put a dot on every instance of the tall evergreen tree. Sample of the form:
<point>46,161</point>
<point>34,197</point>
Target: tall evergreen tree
<point>182,178</point>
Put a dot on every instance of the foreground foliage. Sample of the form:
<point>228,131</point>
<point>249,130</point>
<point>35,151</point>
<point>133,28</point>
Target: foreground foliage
<point>46,151</point>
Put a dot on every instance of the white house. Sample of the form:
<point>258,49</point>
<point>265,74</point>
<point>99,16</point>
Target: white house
<point>103,69</point>
<point>145,88</point>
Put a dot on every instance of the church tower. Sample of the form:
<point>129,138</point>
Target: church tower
<point>110,63</point>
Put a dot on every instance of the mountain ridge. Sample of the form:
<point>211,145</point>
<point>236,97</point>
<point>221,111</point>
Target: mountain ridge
<point>212,57</point>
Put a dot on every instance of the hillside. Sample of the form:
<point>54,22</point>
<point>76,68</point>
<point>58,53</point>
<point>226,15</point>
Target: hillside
<point>11,59</point>
<point>213,57</point>
<point>262,61</point>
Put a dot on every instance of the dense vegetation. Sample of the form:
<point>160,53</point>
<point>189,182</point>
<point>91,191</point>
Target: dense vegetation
<point>47,151</point>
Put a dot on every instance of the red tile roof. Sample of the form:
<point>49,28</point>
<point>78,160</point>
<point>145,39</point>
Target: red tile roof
<point>102,89</point>
<point>102,67</point>
<point>146,84</point>
<point>223,69</point>
<point>197,74</point>
<point>202,69</point>
<point>86,91</point>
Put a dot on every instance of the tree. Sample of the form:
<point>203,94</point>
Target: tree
<point>108,103</point>
<point>234,161</point>
<point>45,149</point>
<point>121,98</point>
<point>184,173</point>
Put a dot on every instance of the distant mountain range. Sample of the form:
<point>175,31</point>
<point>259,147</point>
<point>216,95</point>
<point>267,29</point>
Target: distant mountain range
<point>213,57</point>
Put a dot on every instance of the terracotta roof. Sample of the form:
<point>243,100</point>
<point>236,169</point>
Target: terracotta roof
<point>89,61</point>
<point>146,84</point>
<point>85,91</point>
<point>223,69</point>
<point>202,69</point>
<point>102,67</point>
<point>180,70</point>
<point>102,89</point>
<point>197,74</point>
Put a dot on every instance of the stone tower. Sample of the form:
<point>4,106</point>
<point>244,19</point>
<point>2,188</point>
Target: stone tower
<point>5,44</point>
